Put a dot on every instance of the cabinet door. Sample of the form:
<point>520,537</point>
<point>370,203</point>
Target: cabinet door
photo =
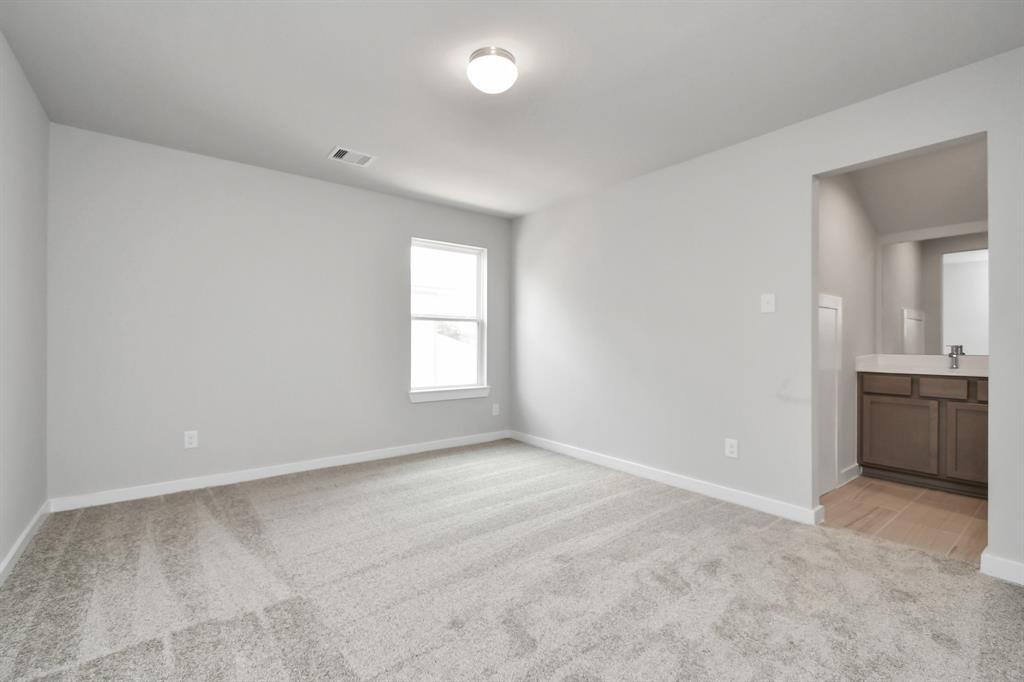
<point>967,442</point>
<point>900,433</point>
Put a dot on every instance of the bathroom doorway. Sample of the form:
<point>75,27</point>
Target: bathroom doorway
<point>900,423</point>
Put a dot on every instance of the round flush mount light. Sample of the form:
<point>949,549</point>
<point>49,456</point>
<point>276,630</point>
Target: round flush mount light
<point>492,70</point>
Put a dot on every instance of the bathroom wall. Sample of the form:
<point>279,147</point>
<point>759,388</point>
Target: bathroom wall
<point>847,243</point>
<point>901,285</point>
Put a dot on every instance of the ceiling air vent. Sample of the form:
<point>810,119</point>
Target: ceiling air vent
<point>351,157</point>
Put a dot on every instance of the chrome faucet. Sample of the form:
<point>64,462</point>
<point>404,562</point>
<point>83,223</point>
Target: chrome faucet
<point>954,356</point>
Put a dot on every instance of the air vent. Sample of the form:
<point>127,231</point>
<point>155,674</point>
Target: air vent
<point>351,157</point>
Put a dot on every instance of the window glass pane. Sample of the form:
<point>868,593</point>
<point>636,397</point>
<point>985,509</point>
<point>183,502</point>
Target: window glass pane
<point>444,353</point>
<point>443,282</point>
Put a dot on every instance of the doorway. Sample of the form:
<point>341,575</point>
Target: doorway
<point>900,429</point>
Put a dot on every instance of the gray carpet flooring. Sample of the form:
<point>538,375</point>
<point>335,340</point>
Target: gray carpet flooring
<point>499,561</point>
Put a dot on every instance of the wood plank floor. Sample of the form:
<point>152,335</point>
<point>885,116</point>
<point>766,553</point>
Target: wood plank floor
<point>935,521</point>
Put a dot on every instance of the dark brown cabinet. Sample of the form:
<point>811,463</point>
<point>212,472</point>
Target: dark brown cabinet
<point>926,430</point>
<point>967,442</point>
<point>901,433</point>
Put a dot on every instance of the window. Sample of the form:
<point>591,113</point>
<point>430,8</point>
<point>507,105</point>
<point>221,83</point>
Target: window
<point>448,306</point>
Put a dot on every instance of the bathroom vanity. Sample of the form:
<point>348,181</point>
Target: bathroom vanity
<point>921,422</point>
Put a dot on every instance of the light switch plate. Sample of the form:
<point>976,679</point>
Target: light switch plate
<point>767,303</point>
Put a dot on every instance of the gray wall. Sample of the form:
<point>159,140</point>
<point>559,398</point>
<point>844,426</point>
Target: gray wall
<point>24,131</point>
<point>636,309</point>
<point>931,274</point>
<point>847,243</point>
<point>266,310</point>
<point>901,267</point>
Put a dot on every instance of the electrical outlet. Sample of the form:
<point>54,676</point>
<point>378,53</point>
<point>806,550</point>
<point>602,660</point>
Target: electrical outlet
<point>495,409</point>
<point>732,448</point>
<point>191,440</point>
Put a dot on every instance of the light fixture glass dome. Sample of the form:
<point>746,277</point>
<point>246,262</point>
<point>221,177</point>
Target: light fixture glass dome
<point>492,70</point>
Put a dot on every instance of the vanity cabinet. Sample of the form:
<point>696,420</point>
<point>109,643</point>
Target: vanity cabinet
<point>925,430</point>
<point>900,433</point>
<point>967,442</point>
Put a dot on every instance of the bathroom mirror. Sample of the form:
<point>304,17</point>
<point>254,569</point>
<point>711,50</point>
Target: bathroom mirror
<point>933,293</point>
<point>965,300</point>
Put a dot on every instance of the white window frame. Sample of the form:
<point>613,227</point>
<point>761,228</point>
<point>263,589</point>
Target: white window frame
<point>480,389</point>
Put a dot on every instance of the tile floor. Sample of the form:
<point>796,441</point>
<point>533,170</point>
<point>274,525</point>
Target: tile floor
<point>935,521</point>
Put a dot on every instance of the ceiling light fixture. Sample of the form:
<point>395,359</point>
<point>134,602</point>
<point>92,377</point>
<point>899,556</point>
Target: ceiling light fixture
<point>492,70</point>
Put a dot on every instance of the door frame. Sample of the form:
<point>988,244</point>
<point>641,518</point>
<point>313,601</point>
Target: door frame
<point>832,302</point>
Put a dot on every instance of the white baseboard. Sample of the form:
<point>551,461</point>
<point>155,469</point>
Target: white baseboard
<point>808,515</point>
<point>848,474</point>
<point>167,487</point>
<point>23,540</point>
<point>1004,569</point>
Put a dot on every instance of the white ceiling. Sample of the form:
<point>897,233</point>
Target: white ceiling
<point>607,90</point>
<point>948,186</point>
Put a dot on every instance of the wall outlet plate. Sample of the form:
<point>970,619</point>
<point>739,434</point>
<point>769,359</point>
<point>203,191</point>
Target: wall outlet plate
<point>191,440</point>
<point>732,448</point>
<point>767,303</point>
<point>495,409</point>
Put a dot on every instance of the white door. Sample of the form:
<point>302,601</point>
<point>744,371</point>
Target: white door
<point>830,341</point>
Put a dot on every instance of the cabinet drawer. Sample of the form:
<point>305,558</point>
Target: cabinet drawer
<point>942,387</point>
<point>889,384</point>
<point>982,391</point>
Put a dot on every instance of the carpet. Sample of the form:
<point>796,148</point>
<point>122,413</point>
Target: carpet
<point>498,561</point>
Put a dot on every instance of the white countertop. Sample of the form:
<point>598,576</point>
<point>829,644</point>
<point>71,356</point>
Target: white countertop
<point>970,365</point>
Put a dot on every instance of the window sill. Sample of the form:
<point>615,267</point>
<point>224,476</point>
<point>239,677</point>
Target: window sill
<point>427,395</point>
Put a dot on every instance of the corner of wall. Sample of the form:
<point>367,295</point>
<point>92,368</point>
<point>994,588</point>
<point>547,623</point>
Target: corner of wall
<point>24,188</point>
